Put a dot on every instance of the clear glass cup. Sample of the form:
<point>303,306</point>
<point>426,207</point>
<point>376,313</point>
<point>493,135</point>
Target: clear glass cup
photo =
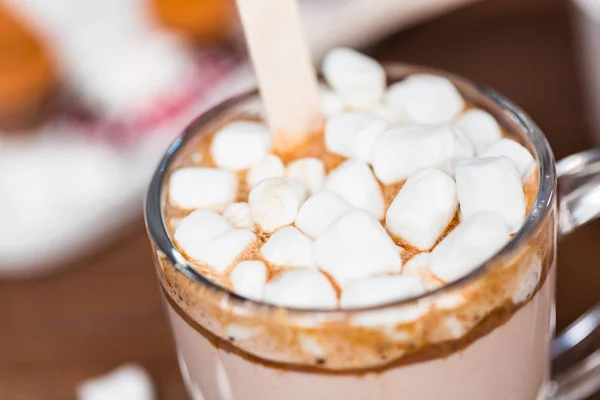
<point>495,345</point>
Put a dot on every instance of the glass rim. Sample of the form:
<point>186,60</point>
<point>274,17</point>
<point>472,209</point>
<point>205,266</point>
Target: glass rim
<point>155,224</point>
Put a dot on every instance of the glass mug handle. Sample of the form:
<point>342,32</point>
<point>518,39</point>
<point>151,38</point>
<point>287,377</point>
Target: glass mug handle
<point>579,202</point>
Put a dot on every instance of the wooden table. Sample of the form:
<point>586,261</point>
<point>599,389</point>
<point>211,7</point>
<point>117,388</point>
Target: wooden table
<point>106,310</point>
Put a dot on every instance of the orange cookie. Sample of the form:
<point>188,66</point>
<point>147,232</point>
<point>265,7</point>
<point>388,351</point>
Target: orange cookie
<point>27,74</point>
<point>201,20</point>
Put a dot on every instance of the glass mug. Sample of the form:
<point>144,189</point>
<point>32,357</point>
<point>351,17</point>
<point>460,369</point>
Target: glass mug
<point>497,345</point>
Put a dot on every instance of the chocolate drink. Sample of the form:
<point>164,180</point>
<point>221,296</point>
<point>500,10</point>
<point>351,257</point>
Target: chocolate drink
<point>293,325</point>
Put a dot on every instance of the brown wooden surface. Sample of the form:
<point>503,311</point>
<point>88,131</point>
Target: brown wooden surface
<point>106,310</point>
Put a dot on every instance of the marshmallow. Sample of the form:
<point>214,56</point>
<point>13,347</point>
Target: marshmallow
<point>529,281</point>
<point>463,149</point>
<point>174,222</point>
<point>199,227</point>
<point>471,243</point>
<point>491,184</point>
<point>310,171</point>
<point>331,103</point>
<point>379,290</point>
<point>419,263</point>
<point>393,116</point>
<point>238,214</point>
<point>354,182</point>
<point>310,346</point>
<point>352,134</point>
<point>301,288</point>
<point>248,279</point>
<point>356,246</point>
<point>389,318</point>
<point>270,167</point>
<point>455,327</point>
<point>240,145</point>
<point>319,212</point>
<point>518,154</point>
<point>480,128</point>
<point>222,251</point>
<point>426,99</point>
<point>236,333</point>
<point>300,189</point>
<point>449,300</point>
<point>197,187</point>
<point>207,237</point>
<point>288,247</point>
<point>359,80</point>
<point>462,145</point>
<point>423,208</point>
<point>274,202</point>
<point>128,382</point>
<point>400,152</point>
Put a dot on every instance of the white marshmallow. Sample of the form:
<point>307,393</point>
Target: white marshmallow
<point>390,317</point>
<point>472,242</point>
<point>357,78</point>
<point>198,187</point>
<point>222,251</point>
<point>480,128</point>
<point>270,167</point>
<point>426,99</point>
<point>518,154</point>
<point>416,265</point>
<point>274,202</point>
<point>462,146</point>
<point>128,382</point>
<point>301,288</point>
<point>331,103</point>
<point>356,246</point>
<point>455,327</point>
<point>423,208</point>
<point>449,300</point>
<point>354,182</point>
<point>393,116</point>
<point>248,279</point>
<point>319,212</point>
<point>311,346</point>
<point>378,290</point>
<point>300,189</point>
<point>240,145</point>
<point>352,134</point>
<point>310,171</point>
<point>288,247</point>
<point>529,281</point>
<point>400,152</point>
<point>491,184</point>
<point>235,333</point>
<point>199,227</point>
<point>238,214</point>
<point>174,222</point>
<point>463,149</point>
<point>208,237</point>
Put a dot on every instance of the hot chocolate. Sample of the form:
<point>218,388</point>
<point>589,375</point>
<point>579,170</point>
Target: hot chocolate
<point>304,263</point>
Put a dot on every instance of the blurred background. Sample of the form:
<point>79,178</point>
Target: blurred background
<point>92,92</point>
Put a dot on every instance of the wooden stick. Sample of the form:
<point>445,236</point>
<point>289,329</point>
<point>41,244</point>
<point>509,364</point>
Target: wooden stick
<point>284,69</point>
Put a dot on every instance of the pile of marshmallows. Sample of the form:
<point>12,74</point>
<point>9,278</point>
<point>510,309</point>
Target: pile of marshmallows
<point>416,131</point>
